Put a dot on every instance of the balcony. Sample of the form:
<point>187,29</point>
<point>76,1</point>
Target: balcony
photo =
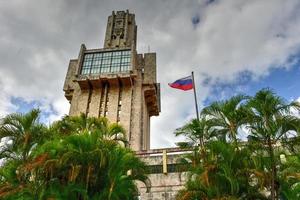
<point>96,80</point>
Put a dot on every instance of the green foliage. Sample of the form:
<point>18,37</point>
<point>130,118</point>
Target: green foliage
<point>225,117</point>
<point>83,158</point>
<point>266,167</point>
<point>24,132</point>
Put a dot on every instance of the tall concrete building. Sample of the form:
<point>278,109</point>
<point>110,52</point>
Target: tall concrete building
<point>116,81</point>
<point>119,83</point>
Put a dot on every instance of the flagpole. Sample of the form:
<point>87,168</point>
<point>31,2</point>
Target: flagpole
<point>195,95</point>
<point>197,112</point>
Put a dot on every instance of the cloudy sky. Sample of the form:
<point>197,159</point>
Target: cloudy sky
<point>232,46</point>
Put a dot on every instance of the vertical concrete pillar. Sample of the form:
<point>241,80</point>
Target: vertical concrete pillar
<point>165,169</point>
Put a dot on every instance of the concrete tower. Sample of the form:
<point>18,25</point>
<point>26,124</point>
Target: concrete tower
<point>116,82</point>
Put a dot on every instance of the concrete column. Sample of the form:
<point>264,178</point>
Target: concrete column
<point>95,103</point>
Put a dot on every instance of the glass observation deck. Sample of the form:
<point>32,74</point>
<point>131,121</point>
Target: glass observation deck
<point>106,62</point>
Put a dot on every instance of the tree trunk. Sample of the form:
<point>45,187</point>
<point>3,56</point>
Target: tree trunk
<point>273,170</point>
<point>111,189</point>
<point>27,137</point>
<point>202,149</point>
<point>235,141</point>
<point>88,177</point>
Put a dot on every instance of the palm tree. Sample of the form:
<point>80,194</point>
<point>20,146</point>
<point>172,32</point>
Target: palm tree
<point>223,175</point>
<point>22,132</point>
<point>226,117</point>
<point>79,124</point>
<point>82,159</point>
<point>290,177</point>
<point>270,120</point>
<point>196,131</point>
<point>96,168</point>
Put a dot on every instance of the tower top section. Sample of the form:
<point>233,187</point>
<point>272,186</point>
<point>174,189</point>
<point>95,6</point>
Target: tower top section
<point>121,30</point>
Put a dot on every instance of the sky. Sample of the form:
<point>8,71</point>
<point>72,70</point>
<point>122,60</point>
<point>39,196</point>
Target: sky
<point>232,46</point>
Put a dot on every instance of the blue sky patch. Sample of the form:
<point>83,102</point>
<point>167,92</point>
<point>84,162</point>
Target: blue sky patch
<point>24,106</point>
<point>284,82</point>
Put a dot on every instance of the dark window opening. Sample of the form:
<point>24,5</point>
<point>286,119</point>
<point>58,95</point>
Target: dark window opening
<point>171,168</point>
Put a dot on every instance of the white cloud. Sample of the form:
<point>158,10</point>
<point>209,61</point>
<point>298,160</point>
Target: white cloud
<point>232,37</point>
<point>61,107</point>
<point>6,106</point>
<point>294,111</point>
<point>37,39</point>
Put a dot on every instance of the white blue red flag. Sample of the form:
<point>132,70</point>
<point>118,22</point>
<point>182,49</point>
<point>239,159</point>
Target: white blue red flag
<point>183,83</point>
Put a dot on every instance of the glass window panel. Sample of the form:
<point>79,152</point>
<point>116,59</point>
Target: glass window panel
<point>116,57</point>
<point>126,56</point>
<point>124,68</point>
<point>116,60</point>
<point>125,52</point>
<point>87,56</point>
<point>86,71</point>
<point>105,62</point>
<point>105,69</point>
<point>124,63</point>
<point>115,68</point>
<point>97,59</point>
<point>87,63</point>
<point>97,55</point>
<point>107,54</point>
<point>115,65</point>
<point>125,60</point>
<point>105,66</point>
<point>97,71</point>
<point>93,71</point>
<point>116,53</point>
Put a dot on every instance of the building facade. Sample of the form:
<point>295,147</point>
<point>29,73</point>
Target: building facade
<point>166,175</point>
<point>116,81</point>
<point>120,84</point>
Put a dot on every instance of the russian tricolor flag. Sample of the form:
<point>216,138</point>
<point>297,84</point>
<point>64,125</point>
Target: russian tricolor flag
<point>183,83</point>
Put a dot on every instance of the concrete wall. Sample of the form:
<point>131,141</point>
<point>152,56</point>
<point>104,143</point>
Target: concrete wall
<point>112,104</point>
<point>72,70</point>
<point>95,102</point>
<point>164,186</point>
<point>150,68</point>
<point>125,118</point>
<point>136,115</point>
